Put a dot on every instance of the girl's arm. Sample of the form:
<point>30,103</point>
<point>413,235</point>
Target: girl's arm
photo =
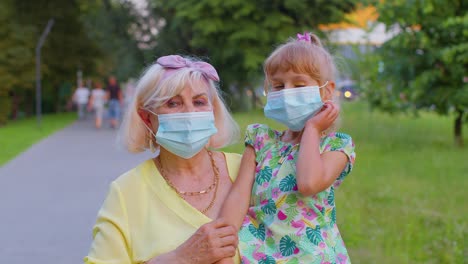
<point>316,172</point>
<point>237,202</point>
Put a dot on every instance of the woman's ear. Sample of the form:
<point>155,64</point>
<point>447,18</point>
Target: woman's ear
<point>145,117</point>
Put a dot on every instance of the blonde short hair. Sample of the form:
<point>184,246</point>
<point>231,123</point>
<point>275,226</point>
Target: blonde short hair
<point>153,90</point>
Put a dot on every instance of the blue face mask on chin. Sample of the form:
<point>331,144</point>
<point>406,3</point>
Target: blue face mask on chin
<point>293,107</point>
<point>185,134</point>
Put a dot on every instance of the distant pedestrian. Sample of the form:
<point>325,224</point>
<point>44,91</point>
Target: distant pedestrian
<point>114,94</point>
<point>81,97</point>
<point>96,102</point>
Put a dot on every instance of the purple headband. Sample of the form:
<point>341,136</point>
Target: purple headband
<point>305,37</point>
<point>174,62</point>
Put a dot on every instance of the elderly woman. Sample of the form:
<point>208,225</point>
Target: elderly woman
<point>162,210</point>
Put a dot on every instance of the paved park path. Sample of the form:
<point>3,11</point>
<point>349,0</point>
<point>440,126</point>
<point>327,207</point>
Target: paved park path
<point>50,194</point>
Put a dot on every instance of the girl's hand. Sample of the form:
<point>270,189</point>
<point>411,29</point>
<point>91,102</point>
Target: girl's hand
<point>210,243</point>
<point>325,118</point>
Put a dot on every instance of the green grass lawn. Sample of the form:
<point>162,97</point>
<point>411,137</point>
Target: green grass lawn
<point>17,136</point>
<point>404,202</point>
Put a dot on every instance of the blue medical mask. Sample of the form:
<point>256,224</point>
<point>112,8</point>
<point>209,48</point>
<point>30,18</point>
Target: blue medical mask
<point>293,107</point>
<point>185,134</point>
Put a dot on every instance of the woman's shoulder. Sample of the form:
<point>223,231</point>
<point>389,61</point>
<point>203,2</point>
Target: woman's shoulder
<point>233,161</point>
<point>133,179</point>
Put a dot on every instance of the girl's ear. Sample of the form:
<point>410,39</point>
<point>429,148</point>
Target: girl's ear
<point>329,90</point>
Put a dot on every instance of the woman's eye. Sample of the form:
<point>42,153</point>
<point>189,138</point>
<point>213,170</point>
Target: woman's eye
<point>173,103</point>
<point>200,102</point>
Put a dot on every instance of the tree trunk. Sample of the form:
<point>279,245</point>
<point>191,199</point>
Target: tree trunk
<point>458,128</point>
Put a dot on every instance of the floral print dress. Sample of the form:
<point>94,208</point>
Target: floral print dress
<point>281,225</point>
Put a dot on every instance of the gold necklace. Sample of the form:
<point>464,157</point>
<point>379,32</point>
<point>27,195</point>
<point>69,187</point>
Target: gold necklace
<point>213,185</point>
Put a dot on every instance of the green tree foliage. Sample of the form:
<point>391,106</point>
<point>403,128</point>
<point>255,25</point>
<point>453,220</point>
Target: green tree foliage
<point>111,25</point>
<point>96,37</point>
<point>238,35</point>
<point>425,65</point>
<point>66,49</point>
<point>16,58</point>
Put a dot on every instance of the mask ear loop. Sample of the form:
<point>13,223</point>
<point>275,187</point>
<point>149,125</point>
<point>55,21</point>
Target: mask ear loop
<point>326,83</point>
<point>320,87</point>
<point>151,144</point>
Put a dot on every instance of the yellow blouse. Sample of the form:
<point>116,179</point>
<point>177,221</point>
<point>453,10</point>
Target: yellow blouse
<point>142,217</point>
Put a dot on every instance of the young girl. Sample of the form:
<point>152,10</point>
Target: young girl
<point>290,177</point>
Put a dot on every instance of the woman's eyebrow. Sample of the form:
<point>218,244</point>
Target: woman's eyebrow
<point>200,95</point>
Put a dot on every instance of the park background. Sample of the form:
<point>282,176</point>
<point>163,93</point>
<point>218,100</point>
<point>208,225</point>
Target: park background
<point>405,63</point>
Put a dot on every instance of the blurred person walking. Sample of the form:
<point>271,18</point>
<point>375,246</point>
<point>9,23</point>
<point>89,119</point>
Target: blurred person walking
<point>114,94</point>
<point>96,102</point>
<point>81,97</point>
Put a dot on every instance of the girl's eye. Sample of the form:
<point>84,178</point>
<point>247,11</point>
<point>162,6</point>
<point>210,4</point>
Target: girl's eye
<point>299,85</point>
<point>278,87</point>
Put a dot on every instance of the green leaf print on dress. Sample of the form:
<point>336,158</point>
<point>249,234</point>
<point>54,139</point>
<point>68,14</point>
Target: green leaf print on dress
<point>267,260</point>
<point>258,232</point>
<point>314,235</point>
<point>335,143</point>
<point>288,183</point>
<point>269,207</point>
<point>287,246</point>
<point>264,175</point>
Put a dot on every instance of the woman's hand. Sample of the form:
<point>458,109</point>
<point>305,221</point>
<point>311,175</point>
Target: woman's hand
<point>325,118</point>
<point>210,243</point>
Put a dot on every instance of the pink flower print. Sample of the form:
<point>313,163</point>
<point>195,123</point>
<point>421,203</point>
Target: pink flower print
<point>277,255</point>
<point>299,225</point>
<point>258,144</point>
<point>245,260</point>
<point>296,251</point>
<point>342,259</point>
<point>269,233</point>
<point>290,157</point>
<point>263,202</point>
<point>319,207</point>
<point>322,245</point>
<point>258,255</point>
<point>265,184</point>
<point>246,220</point>
<point>252,213</point>
<point>324,234</point>
<point>309,213</point>
<point>275,192</point>
<point>300,203</point>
